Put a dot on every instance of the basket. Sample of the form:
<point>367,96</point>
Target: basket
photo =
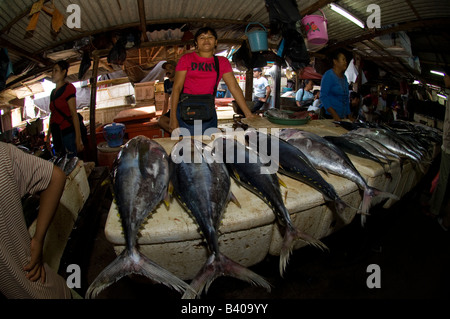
<point>277,120</point>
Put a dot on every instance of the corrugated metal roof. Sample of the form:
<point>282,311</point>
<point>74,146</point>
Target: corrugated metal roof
<point>229,18</point>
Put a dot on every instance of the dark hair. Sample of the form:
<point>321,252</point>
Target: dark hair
<point>63,65</point>
<point>354,95</point>
<point>335,54</point>
<point>367,101</point>
<point>202,31</point>
<point>306,82</point>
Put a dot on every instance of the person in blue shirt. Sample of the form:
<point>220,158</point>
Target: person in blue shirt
<point>334,92</point>
<point>304,93</point>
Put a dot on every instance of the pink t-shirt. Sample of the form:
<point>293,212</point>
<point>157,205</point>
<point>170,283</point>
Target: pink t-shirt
<point>201,75</point>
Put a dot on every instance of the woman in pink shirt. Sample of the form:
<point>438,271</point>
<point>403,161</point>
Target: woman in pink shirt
<point>196,74</point>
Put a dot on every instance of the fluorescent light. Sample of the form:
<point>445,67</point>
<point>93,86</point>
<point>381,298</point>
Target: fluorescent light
<point>442,96</point>
<point>434,86</point>
<point>437,72</point>
<point>416,82</point>
<point>347,14</point>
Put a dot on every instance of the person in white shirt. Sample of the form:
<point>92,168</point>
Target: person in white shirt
<point>261,90</point>
<point>315,107</point>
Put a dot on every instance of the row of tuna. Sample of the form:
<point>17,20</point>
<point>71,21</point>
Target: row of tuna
<point>144,175</point>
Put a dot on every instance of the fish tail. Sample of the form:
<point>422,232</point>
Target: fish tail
<point>219,265</point>
<point>133,262</point>
<point>369,194</point>
<point>291,235</point>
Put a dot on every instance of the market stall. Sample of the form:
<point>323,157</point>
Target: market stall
<point>249,233</point>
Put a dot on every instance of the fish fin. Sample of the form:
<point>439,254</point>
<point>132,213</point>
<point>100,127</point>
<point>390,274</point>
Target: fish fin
<point>370,193</point>
<point>166,200</point>
<point>235,200</point>
<point>291,235</point>
<point>170,189</point>
<point>285,196</point>
<point>220,265</point>
<point>134,263</point>
<point>236,174</point>
<point>282,183</point>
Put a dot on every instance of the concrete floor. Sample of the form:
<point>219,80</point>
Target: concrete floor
<point>412,251</point>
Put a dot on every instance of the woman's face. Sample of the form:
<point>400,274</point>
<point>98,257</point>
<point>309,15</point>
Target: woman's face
<point>57,73</point>
<point>309,86</point>
<point>340,62</point>
<point>206,42</point>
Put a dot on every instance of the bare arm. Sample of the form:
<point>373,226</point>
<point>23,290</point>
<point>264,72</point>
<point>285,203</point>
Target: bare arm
<point>333,114</point>
<point>268,90</point>
<point>76,123</point>
<point>49,200</point>
<point>166,103</point>
<point>236,91</point>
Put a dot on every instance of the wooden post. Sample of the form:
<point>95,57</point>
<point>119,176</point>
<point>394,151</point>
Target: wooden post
<point>142,19</point>
<point>248,84</point>
<point>92,105</point>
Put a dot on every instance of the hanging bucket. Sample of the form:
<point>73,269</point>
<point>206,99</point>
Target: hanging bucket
<point>257,39</point>
<point>316,28</point>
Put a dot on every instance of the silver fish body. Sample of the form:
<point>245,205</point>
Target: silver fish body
<point>295,164</point>
<point>252,172</point>
<point>388,142</point>
<point>327,157</point>
<point>202,186</point>
<point>140,178</point>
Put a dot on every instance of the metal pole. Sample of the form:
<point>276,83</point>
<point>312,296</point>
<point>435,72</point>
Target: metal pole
<point>93,102</point>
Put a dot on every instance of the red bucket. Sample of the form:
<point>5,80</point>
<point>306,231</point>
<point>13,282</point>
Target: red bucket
<point>316,28</point>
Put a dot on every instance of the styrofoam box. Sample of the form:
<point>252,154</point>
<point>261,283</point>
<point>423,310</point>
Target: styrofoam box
<point>76,192</point>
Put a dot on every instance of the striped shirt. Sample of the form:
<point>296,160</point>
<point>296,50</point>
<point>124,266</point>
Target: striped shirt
<point>20,174</point>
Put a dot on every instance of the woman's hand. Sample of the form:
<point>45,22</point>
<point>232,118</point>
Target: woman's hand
<point>173,124</point>
<point>80,146</point>
<point>35,268</point>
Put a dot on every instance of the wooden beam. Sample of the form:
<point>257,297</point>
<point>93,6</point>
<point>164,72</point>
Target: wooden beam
<point>407,26</point>
<point>23,53</point>
<point>315,6</point>
<point>148,22</point>
<point>141,8</point>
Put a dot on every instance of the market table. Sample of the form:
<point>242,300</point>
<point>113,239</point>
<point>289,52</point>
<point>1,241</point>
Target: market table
<point>247,234</point>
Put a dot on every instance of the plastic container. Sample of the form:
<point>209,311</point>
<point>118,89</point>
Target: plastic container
<point>113,134</point>
<point>106,155</point>
<point>316,28</point>
<point>257,39</point>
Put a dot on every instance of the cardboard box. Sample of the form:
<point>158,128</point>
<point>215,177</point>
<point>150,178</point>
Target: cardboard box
<point>144,91</point>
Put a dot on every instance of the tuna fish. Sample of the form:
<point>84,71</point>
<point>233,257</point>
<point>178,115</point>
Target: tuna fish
<point>350,147</point>
<point>293,163</point>
<point>202,186</point>
<point>252,172</point>
<point>140,180</point>
<point>71,164</point>
<point>389,142</point>
<point>327,157</point>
